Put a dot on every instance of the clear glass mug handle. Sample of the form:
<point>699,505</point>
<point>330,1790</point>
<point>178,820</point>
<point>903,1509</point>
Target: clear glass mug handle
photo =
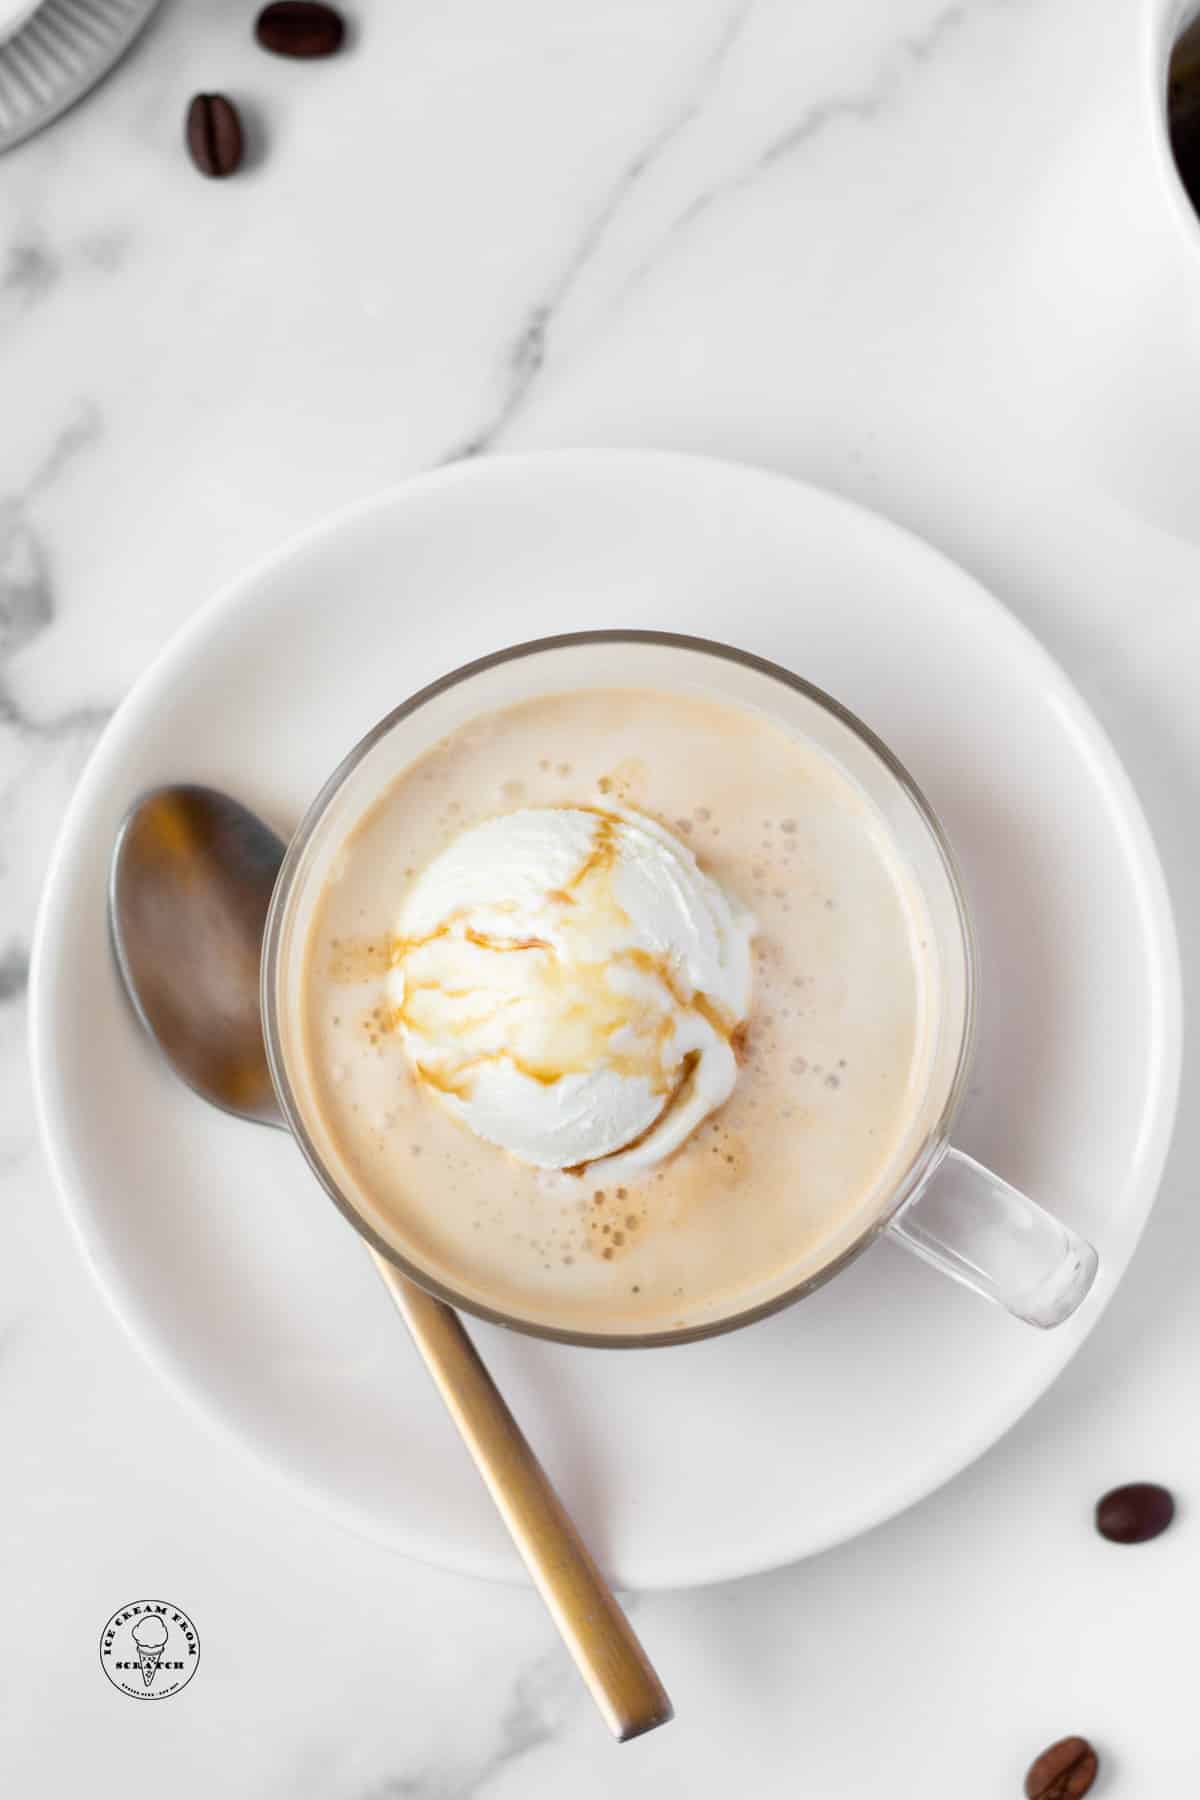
<point>982,1232</point>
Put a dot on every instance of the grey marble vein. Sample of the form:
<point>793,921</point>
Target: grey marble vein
<point>884,86</point>
<point>35,747</point>
<point>32,270</point>
<point>79,433</point>
<point>25,608</point>
<point>908,53</point>
<point>26,592</point>
<point>543,1698</point>
<point>27,275</point>
<point>77,721</point>
<point>106,250</point>
<point>26,587</point>
<point>527,354</point>
<point>12,1328</point>
<point>14,973</point>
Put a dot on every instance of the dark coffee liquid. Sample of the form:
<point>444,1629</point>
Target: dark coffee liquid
<point>1183,110</point>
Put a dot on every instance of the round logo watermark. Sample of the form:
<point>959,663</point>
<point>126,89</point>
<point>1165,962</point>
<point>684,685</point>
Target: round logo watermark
<point>149,1649</point>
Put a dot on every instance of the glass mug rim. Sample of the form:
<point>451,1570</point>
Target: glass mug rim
<point>924,1160</point>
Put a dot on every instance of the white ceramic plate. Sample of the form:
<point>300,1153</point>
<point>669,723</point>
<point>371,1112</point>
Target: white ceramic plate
<point>686,1465</point>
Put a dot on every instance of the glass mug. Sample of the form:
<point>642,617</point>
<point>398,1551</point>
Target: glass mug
<point>943,1206</point>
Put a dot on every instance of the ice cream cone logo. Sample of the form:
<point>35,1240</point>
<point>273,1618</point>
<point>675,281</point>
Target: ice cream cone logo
<point>150,1649</point>
<point>150,1636</point>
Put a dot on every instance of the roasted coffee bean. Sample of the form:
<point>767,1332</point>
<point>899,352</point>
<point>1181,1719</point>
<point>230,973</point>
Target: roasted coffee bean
<point>1063,1772</point>
<point>299,28</point>
<point>214,135</point>
<point>1134,1514</point>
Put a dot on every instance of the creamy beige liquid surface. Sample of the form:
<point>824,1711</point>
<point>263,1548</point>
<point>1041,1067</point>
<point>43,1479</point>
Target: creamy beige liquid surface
<point>835,1060</point>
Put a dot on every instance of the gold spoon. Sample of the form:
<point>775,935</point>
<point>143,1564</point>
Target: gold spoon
<point>191,879</point>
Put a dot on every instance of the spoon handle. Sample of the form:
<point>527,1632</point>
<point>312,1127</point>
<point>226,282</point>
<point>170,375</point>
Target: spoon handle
<point>582,1605</point>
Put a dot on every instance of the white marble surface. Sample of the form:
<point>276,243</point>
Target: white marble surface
<point>929,255</point>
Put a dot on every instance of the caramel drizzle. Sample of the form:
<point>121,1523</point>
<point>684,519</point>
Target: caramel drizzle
<point>601,856</point>
<point>490,943</point>
<point>682,1088</point>
<point>458,1082</point>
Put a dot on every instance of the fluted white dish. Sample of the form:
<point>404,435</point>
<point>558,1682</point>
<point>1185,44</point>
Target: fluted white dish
<point>54,53</point>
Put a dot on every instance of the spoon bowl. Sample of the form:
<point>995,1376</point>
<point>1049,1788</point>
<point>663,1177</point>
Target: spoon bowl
<point>191,880</point>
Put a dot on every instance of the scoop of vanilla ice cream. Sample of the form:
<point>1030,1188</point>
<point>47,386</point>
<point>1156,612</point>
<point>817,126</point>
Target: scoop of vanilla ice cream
<point>150,1633</point>
<point>568,981</point>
